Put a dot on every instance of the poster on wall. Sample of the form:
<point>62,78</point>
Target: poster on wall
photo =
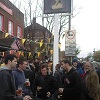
<point>57,6</point>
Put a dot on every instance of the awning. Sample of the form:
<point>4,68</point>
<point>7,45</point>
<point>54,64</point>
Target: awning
<point>2,48</point>
<point>8,44</point>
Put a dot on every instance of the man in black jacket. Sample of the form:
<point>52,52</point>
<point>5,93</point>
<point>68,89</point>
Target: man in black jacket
<point>37,65</point>
<point>45,84</point>
<point>73,89</point>
<point>7,85</point>
<point>31,76</point>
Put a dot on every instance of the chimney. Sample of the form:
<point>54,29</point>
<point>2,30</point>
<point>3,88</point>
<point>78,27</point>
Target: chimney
<point>34,20</point>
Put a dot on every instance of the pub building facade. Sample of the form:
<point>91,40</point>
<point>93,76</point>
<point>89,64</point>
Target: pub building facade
<point>12,23</point>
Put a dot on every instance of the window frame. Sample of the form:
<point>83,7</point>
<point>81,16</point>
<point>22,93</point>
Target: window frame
<point>2,27</point>
<point>20,35</point>
<point>12,32</point>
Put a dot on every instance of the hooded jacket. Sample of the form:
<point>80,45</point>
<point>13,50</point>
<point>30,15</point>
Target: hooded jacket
<point>7,85</point>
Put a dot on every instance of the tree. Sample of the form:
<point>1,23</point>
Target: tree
<point>34,8</point>
<point>77,51</point>
<point>96,56</point>
<point>89,56</point>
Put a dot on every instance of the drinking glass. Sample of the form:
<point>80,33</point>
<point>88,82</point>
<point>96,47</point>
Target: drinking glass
<point>27,82</point>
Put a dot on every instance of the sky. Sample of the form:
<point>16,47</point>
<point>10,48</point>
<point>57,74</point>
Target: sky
<point>86,24</point>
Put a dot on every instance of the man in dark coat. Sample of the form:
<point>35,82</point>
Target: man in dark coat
<point>45,84</point>
<point>37,65</point>
<point>58,76</point>
<point>31,76</point>
<point>72,89</point>
<point>7,85</point>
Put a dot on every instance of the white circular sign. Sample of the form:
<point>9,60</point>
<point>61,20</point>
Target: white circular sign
<point>70,34</point>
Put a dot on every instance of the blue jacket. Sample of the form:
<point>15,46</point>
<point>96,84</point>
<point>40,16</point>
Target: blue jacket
<point>80,70</point>
<point>20,80</point>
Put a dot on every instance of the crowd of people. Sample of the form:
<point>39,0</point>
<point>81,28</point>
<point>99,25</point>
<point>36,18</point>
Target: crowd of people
<point>34,80</point>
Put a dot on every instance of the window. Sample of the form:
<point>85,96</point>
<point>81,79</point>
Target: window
<point>10,27</point>
<point>19,34</point>
<point>1,22</point>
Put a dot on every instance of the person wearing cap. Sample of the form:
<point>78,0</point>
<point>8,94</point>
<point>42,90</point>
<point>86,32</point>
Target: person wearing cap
<point>77,66</point>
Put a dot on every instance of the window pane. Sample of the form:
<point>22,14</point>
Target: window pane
<point>10,27</point>
<point>18,31</point>
<point>1,22</point>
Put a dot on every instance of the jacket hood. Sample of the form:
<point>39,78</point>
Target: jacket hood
<point>3,68</point>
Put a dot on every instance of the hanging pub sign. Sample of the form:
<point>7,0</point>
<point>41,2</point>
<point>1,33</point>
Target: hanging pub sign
<point>57,6</point>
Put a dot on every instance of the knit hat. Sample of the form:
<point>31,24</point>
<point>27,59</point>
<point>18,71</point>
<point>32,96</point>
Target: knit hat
<point>74,60</point>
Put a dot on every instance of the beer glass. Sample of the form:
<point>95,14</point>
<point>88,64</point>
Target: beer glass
<point>19,91</point>
<point>27,82</point>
